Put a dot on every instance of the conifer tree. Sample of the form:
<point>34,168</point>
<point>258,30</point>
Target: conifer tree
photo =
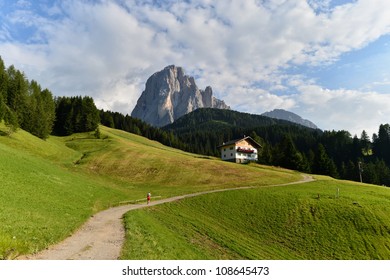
<point>365,143</point>
<point>3,89</point>
<point>381,145</point>
<point>323,164</point>
<point>17,93</point>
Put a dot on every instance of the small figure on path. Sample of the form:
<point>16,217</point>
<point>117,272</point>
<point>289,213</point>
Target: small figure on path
<point>148,197</point>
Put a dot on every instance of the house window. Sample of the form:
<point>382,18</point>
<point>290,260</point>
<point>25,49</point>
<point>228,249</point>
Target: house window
<point>231,148</point>
<point>231,154</point>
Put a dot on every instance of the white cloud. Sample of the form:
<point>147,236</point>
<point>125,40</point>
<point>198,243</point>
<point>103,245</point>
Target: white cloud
<point>107,49</point>
<point>344,109</point>
<point>254,100</point>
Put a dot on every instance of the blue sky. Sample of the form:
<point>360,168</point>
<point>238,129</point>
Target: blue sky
<point>326,60</point>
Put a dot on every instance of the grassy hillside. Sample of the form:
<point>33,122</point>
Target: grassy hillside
<point>142,165</point>
<point>49,188</point>
<point>306,221</point>
<point>41,200</point>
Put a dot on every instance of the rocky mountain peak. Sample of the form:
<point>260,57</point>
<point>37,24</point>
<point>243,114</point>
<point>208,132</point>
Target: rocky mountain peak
<point>289,116</point>
<point>170,94</point>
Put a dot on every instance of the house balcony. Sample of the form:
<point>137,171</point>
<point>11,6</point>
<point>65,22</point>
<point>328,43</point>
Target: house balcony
<point>245,150</point>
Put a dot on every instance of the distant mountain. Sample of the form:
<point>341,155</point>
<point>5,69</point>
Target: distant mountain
<point>289,116</point>
<point>170,94</point>
<point>215,120</point>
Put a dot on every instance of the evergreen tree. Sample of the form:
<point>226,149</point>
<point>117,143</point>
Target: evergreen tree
<point>289,157</point>
<point>2,108</point>
<point>323,164</point>
<point>17,93</point>
<point>45,113</point>
<point>90,115</point>
<point>381,145</point>
<point>370,174</point>
<point>75,114</point>
<point>382,173</point>
<point>256,137</point>
<point>356,150</point>
<point>365,143</point>
<point>11,120</point>
<point>3,89</point>
<point>30,120</point>
<point>107,119</point>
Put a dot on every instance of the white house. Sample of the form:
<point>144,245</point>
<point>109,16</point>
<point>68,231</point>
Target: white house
<point>240,151</point>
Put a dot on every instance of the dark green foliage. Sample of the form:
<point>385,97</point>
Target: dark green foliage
<point>75,114</point>
<point>365,143</point>
<point>97,133</point>
<point>3,89</point>
<point>289,157</point>
<point>11,120</point>
<point>323,164</point>
<point>23,103</point>
<point>289,145</point>
<point>136,126</point>
<point>39,118</point>
<point>106,118</point>
<point>381,145</point>
<point>212,127</point>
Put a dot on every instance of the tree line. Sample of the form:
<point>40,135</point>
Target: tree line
<point>24,104</point>
<point>133,125</point>
<point>75,114</point>
<point>333,153</point>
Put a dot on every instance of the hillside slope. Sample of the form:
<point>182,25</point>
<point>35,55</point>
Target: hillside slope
<point>326,219</point>
<point>42,200</point>
<point>143,165</point>
<point>49,188</point>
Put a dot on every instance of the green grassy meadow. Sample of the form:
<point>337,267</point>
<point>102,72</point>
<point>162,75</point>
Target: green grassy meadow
<point>49,188</point>
<point>135,162</point>
<point>325,219</point>
<point>41,200</point>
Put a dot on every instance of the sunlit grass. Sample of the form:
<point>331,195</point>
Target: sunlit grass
<point>49,188</point>
<point>326,219</point>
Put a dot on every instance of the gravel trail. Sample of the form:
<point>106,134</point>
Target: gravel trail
<point>103,235</point>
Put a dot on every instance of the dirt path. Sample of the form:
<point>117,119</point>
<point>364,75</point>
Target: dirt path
<point>102,236</point>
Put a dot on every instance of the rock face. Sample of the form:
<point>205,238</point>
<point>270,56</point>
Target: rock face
<point>289,116</point>
<point>170,94</point>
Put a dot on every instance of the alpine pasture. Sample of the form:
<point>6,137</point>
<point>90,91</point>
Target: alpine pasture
<point>49,188</point>
<point>325,219</point>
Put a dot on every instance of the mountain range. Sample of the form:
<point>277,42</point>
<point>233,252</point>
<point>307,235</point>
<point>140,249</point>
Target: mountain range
<point>170,94</point>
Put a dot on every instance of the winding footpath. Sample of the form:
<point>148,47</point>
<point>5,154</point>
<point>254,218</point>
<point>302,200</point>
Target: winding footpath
<point>103,235</point>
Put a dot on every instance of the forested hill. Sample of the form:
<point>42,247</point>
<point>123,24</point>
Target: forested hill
<point>205,118</point>
<point>285,144</point>
<point>205,129</point>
